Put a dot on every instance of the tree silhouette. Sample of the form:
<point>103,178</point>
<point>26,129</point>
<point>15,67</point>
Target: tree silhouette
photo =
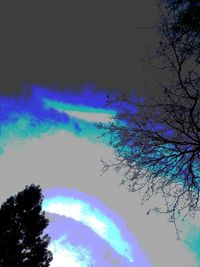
<point>187,14</point>
<point>181,23</point>
<point>157,142</point>
<point>21,226</point>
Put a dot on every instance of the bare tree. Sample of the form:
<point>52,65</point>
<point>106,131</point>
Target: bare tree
<point>157,142</point>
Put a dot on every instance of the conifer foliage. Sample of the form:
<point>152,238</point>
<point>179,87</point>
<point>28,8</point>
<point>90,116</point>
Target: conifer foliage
<point>22,222</point>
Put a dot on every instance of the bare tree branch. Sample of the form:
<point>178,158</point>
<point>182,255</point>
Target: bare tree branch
<point>157,143</point>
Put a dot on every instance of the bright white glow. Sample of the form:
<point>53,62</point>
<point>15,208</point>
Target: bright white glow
<point>71,210</point>
<point>91,217</point>
<point>64,254</point>
<point>92,117</point>
<point>97,225</point>
<point>79,111</point>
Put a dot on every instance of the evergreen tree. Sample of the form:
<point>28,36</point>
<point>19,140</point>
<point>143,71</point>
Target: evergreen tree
<point>21,225</point>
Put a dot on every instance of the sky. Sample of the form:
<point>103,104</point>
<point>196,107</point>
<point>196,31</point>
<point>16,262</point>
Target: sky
<point>54,52</point>
<point>70,43</point>
<point>50,139</point>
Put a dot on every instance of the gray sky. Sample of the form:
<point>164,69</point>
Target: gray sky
<point>68,43</point>
<point>32,161</point>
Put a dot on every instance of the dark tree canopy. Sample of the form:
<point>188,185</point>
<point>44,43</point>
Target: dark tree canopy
<point>157,142</point>
<point>21,225</point>
<point>188,12</point>
<point>183,23</point>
